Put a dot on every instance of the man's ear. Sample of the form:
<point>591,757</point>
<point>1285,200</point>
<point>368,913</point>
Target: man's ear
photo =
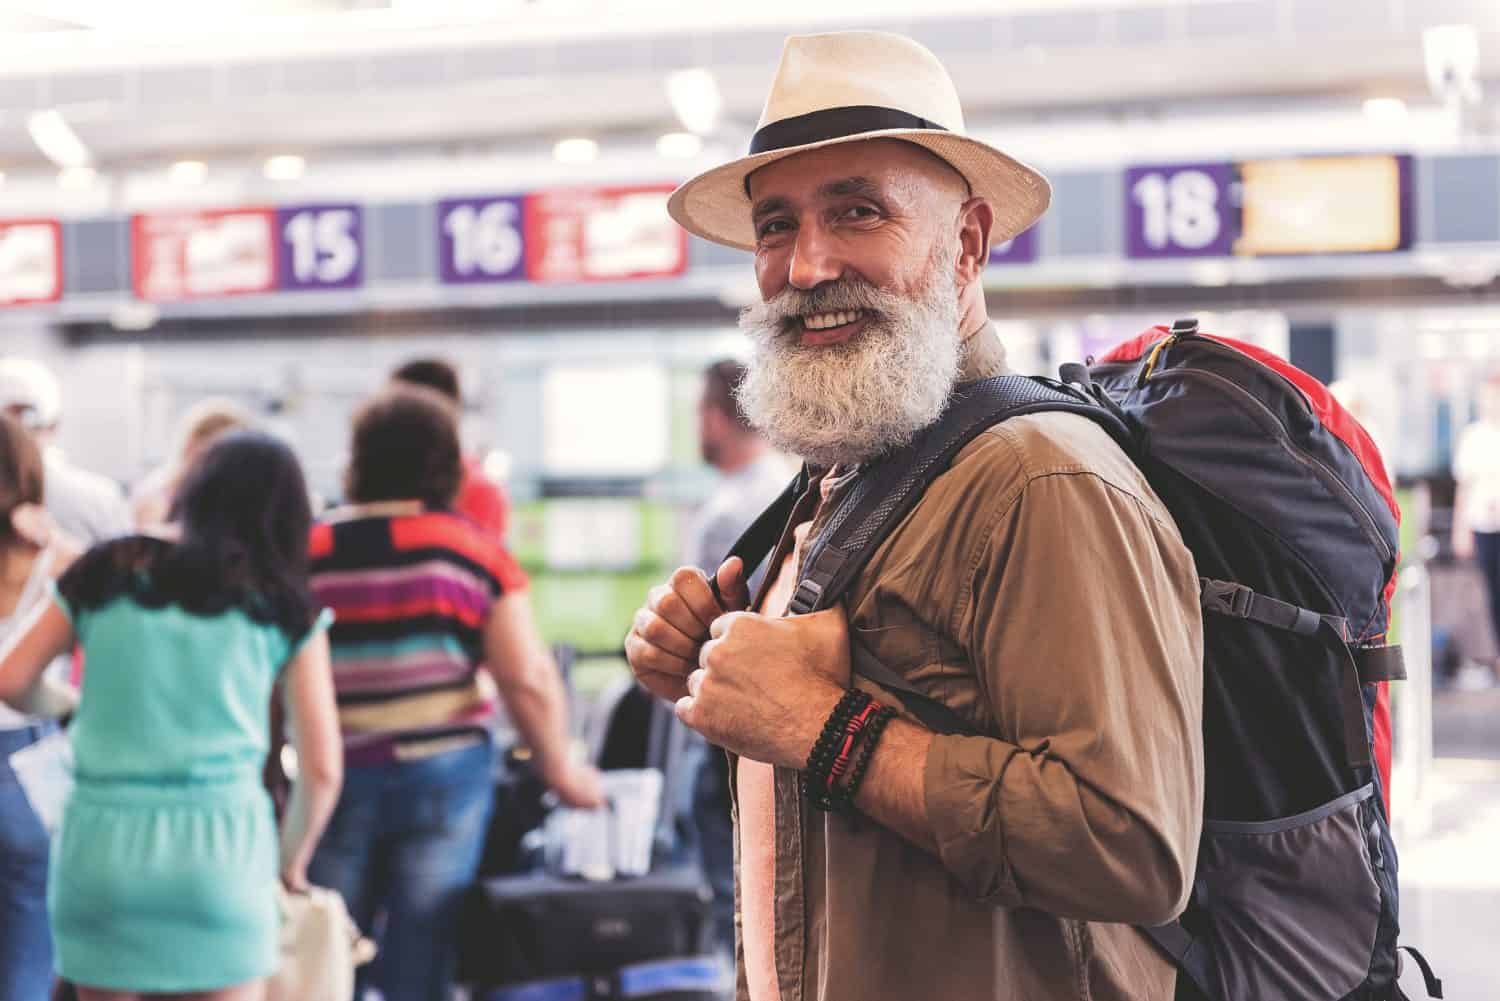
<point>975,221</point>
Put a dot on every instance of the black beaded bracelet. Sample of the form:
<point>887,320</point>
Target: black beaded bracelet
<point>843,796</point>
<point>820,760</point>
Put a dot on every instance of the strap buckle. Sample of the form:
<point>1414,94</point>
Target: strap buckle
<point>805,598</point>
<point>1227,598</point>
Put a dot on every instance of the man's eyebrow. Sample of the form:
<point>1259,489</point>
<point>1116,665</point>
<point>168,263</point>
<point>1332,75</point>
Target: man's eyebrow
<point>769,206</point>
<point>859,187</point>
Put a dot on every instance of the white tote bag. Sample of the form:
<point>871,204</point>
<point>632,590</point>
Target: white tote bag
<point>45,772</point>
<point>320,947</point>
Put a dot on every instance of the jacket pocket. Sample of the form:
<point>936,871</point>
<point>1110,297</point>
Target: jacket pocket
<point>1293,905</point>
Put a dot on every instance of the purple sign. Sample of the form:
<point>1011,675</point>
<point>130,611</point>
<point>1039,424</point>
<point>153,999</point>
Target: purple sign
<point>1020,250</point>
<point>320,247</point>
<point>481,239</point>
<point>1181,210</point>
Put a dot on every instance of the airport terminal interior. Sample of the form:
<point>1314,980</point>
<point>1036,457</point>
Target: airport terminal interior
<point>275,203</point>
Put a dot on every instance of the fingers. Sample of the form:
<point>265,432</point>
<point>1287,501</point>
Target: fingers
<point>663,635</point>
<point>720,626</point>
<point>667,687</point>
<point>685,602</point>
<point>733,587</point>
<point>691,587</point>
<point>647,656</point>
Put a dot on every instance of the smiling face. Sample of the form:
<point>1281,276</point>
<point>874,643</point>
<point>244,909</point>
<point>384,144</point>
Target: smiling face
<point>865,253</point>
<point>874,212</point>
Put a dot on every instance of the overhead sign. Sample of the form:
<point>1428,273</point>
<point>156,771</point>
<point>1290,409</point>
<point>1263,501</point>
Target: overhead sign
<point>480,239</point>
<point>1020,250</point>
<point>190,255</point>
<point>1293,205</point>
<point>321,247</point>
<point>30,262</point>
<point>193,255</point>
<point>602,234</point>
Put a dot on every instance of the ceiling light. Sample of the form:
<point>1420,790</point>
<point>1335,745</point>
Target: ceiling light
<point>695,99</point>
<point>56,139</point>
<point>286,167</point>
<point>1385,109</point>
<point>576,151</point>
<point>187,172</point>
<point>679,145</point>
<point>77,177</point>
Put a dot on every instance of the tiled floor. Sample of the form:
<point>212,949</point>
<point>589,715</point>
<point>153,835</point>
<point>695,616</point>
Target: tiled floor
<point>1450,874</point>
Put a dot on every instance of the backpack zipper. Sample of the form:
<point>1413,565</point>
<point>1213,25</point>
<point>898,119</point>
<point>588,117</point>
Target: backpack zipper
<point>1325,475</point>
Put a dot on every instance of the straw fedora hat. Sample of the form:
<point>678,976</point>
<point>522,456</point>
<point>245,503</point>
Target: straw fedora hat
<point>848,86</point>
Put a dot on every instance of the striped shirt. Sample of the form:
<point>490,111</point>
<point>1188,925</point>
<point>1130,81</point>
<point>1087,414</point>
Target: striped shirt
<point>410,589</point>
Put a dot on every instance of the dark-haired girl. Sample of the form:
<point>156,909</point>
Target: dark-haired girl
<point>164,866</point>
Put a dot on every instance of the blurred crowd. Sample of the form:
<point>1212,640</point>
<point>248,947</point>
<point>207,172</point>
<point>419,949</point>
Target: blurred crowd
<point>159,644</point>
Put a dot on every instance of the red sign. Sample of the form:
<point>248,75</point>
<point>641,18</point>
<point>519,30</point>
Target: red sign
<point>191,255</point>
<point>30,261</point>
<point>602,234</point>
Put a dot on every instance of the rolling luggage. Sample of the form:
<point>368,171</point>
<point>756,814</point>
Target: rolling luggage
<point>541,936</point>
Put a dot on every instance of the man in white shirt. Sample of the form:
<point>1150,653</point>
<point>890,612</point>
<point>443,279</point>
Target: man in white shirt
<point>1476,504</point>
<point>753,474</point>
<point>87,507</point>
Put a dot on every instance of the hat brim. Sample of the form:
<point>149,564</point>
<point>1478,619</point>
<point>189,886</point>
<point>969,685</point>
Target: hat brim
<point>714,204</point>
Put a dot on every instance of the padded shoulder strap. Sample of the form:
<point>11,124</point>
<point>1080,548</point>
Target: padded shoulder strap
<point>757,541</point>
<point>887,489</point>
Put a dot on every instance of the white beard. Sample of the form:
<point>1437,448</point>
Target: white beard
<point>844,404</point>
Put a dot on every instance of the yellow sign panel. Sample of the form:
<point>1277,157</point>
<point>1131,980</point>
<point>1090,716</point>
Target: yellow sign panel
<point>1320,205</point>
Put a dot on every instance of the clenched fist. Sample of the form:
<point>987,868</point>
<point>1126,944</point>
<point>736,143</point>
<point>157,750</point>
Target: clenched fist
<point>666,634</point>
<point>765,686</point>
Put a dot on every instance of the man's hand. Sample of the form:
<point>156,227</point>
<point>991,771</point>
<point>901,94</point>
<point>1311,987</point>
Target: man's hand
<point>665,636</point>
<point>765,686</point>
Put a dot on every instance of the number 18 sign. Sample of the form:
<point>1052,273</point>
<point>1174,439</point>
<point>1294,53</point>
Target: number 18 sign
<point>1181,210</point>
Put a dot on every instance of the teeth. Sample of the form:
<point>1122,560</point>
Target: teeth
<point>825,321</point>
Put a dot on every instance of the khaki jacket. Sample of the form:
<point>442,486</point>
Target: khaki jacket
<point>1040,590</point>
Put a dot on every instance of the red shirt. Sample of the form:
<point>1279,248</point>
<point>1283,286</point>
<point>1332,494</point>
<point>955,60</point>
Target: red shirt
<point>483,501</point>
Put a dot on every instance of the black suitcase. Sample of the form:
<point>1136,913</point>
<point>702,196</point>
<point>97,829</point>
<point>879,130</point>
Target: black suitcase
<point>616,939</point>
<point>542,937</point>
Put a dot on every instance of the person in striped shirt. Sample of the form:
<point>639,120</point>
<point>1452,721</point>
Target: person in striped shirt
<point>429,608</point>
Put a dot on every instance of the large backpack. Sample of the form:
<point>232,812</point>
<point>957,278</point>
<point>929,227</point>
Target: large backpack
<point>1285,503</point>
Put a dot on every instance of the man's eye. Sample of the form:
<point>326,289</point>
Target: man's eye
<point>860,212</point>
<point>773,227</point>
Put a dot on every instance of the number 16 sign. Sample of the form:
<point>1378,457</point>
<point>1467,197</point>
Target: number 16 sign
<point>1181,210</point>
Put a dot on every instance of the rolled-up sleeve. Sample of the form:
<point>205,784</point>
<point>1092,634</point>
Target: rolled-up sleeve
<point>1081,618</point>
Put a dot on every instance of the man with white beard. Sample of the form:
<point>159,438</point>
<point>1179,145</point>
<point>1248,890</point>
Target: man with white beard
<point>1038,590</point>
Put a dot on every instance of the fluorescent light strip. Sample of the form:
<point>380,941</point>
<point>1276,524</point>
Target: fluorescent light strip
<point>56,139</point>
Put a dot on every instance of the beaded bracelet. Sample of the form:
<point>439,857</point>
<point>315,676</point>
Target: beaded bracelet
<point>831,741</point>
<point>843,796</point>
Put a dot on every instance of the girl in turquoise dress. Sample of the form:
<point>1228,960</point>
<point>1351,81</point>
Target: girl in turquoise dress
<point>165,862</point>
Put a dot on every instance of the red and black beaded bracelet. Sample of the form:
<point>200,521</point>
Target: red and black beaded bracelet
<point>842,757</point>
<point>843,796</point>
<point>832,740</point>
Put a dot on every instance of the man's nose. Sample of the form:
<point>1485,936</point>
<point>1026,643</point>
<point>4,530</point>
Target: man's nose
<point>815,259</point>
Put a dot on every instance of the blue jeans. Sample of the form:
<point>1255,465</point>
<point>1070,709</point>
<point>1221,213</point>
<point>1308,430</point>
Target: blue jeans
<point>715,829</point>
<point>25,940</point>
<point>405,842</point>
